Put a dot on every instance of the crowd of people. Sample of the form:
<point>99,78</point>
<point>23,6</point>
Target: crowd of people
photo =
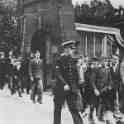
<point>79,81</point>
<point>82,83</point>
<point>22,74</point>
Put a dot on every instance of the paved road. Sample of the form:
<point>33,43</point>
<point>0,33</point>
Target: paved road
<point>15,110</point>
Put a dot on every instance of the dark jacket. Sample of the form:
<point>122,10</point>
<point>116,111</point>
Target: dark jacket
<point>100,78</point>
<point>9,67</point>
<point>25,67</point>
<point>2,67</point>
<point>116,77</point>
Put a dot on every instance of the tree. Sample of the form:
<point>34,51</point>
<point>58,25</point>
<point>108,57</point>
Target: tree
<point>97,12</point>
<point>8,27</point>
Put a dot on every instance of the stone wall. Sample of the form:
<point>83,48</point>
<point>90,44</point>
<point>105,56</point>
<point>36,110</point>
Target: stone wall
<point>57,16</point>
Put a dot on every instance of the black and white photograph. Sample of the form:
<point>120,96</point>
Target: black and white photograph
<point>61,61</point>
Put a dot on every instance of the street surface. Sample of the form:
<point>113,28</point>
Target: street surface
<point>16,110</point>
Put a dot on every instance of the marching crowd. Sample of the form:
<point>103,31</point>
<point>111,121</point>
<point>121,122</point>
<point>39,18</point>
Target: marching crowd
<point>84,83</point>
<point>22,74</point>
<point>80,82</point>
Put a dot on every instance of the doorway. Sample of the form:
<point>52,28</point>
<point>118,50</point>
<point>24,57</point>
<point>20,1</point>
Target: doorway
<point>39,42</point>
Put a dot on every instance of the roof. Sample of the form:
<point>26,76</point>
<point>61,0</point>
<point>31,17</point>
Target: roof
<point>101,29</point>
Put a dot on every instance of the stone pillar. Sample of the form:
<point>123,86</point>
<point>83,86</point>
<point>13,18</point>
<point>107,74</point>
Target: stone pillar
<point>23,35</point>
<point>30,26</point>
<point>66,16</point>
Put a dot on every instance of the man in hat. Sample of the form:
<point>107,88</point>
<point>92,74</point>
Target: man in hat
<point>67,86</point>
<point>36,74</point>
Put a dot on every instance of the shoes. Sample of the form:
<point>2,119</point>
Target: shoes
<point>118,115</point>
<point>39,101</point>
<point>34,101</point>
<point>20,95</point>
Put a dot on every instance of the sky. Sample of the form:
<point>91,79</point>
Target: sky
<point>115,3</point>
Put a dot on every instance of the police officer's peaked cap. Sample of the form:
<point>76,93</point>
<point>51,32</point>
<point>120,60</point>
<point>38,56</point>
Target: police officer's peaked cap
<point>94,59</point>
<point>70,43</point>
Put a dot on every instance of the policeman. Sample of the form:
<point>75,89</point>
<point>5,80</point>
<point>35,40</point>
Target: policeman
<point>36,75</point>
<point>67,86</point>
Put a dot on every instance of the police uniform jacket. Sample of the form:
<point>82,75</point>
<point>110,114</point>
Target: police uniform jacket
<point>67,69</point>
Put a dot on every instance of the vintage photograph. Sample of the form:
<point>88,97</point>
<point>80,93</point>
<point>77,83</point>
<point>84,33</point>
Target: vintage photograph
<point>61,61</point>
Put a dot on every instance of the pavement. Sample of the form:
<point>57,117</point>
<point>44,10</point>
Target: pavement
<point>16,110</point>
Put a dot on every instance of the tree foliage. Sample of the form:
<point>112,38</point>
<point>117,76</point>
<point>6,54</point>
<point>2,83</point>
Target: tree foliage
<point>98,13</point>
<point>8,27</point>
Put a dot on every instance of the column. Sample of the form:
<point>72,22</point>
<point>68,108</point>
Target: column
<point>105,46</point>
<point>23,34</point>
<point>94,44</point>
<point>86,51</point>
<point>82,44</point>
<point>39,22</point>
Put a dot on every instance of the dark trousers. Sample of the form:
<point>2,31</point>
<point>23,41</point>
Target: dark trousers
<point>26,83</point>
<point>58,103</point>
<point>121,98</point>
<point>91,99</point>
<point>16,86</point>
<point>2,81</point>
<point>108,100</point>
<point>37,89</point>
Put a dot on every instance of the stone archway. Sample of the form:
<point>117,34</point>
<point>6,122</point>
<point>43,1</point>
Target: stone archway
<point>41,40</point>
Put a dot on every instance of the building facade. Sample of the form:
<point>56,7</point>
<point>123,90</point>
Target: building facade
<point>100,41</point>
<point>44,25</point>
<point>46,22</point>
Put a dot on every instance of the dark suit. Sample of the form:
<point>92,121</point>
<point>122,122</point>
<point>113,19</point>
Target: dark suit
<point>36,71</point>
<point>2,73</point>
<point>100,79</point>
<point>26,82</point>
<point>118,86</point>
<point>16,78</point>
